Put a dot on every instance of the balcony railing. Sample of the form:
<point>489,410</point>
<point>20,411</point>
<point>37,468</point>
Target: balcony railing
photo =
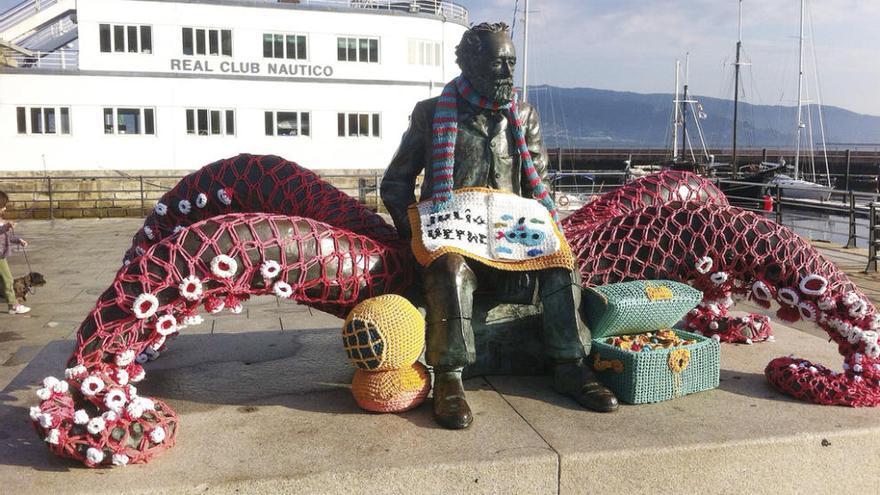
<point>22,11</point>
<point>442,8</point>
<point>57,60</point>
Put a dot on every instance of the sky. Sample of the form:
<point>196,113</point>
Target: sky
<point>632,45</point>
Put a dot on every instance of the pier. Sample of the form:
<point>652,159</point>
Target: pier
<point>303,432</point>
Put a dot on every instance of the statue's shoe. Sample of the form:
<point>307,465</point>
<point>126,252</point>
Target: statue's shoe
<point>576,380</point>
<point>451,410</point>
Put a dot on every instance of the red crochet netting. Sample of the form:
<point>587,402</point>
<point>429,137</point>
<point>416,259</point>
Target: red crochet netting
<point>332,252</point>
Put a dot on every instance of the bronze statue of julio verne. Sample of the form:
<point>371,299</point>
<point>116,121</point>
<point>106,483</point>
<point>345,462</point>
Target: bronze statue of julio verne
<point>485,154</point>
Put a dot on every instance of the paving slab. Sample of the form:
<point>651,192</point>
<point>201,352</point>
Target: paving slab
<point>271,412</point>
<point>743,437</point>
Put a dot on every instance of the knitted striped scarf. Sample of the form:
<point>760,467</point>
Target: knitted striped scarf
<point>445,131</point>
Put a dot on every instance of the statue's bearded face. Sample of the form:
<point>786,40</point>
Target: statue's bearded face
<point>491,70</point>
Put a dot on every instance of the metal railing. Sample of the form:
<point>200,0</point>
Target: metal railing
<point>442,8</point>
<point>22,11</point>
<point>59,60</point>
<point>48,33</point>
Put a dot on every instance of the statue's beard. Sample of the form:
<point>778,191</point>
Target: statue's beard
<point>499,90</point>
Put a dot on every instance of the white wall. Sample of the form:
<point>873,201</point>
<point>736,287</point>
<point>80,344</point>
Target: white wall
<point>88,148</point>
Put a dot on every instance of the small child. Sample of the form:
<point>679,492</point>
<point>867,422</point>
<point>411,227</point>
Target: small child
<point>7,239</point>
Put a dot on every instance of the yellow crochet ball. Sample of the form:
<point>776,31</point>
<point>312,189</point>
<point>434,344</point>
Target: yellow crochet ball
<point>393,390</point>
<point>383,333</point>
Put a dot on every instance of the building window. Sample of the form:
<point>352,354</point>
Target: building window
<point>202,41</point>
<point>43,120</point>
<point>129,121</point>
<point>288,124</point>
<point>124,38</point>
<point>422,52</point>
<point>284,46</point>
<point>358,124</point>
<point>208,122</point>
<point>357,49</point>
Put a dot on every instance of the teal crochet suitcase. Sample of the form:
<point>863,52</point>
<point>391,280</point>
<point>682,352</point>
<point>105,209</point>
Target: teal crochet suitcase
<point>635,307</point>
<point>661,374</point>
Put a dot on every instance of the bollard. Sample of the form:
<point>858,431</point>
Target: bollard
<point>768,203</point>
<point>872,238</point>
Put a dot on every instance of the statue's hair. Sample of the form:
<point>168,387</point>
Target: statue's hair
<point>472,41</point>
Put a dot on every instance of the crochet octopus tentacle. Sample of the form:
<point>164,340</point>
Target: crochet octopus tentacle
<point>724,251</point>
<point>95,414</point>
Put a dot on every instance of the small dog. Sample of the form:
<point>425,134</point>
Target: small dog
<point>22,285</point>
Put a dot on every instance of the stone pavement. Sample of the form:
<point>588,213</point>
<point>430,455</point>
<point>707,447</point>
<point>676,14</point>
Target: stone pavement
<point>265,408</point>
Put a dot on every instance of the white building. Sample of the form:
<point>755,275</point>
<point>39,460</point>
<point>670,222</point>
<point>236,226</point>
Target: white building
<point>176,84</point>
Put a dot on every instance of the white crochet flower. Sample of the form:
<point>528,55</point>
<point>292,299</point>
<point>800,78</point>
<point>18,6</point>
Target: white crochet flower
<point>74,372</point>
<point>132,391</point>
<point>718,278</point>
<point>201,200</point>
<point>109,416</point>
<point>35,413</point>
<point>826,303</point>
<point>850,298</point>
<point>855,336</point>
<point>270,269</point>
<point>161,209</point>
<point>858,309</point>
<point>121,377</point>
<point>873,351</point>
<point>119,459</point>
<point>94,455</point>
<point>61,387</point>
<point>237,309</point>
<point>91,386</point>
<point>96,425</point>
<point>145,306</point>
<point>191,288</point>
<point>813,285</point>
<point>807,311</point>
<point>224,197</point>
<point>788,296</point>
<point>184,206</point>
<point>81,417</point>
<point>115,399</point>
<point>45,420</point>
<point>125,358</point>
<point>177,228</point>
<point>153,351</point>
<point>282,289</point>
<point>761,291</point>
<point>139,251</point>
<point>54,436</point>
<point>875,321</point>
<point>157,435</point>
<point>44,393</point>
<point>166,325</point>
<point>138,406</point>
<point>49,381</point>
<point>138,376</point>
<point>224,266</point>
<point>704,264</point>
<point>149,232</point>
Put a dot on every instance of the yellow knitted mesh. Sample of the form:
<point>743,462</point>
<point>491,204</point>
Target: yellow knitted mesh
<point>383,333</point>
<point>391,391</point>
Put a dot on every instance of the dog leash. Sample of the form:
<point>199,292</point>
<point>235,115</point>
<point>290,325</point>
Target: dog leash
<point>30,289</point>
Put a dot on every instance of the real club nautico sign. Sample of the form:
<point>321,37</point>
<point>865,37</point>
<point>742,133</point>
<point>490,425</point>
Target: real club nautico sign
<point>263,68</point>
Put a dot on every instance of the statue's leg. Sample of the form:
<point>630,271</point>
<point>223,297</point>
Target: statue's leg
<point>567,340</point>
<point>449,295</point>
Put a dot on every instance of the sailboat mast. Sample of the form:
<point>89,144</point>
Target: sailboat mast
<point>525,64</point>
<point>684,97</point>
<point>734,166</point>
<point>675,117</point>
<point>800,124</point>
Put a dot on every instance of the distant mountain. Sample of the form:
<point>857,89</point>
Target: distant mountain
<point>585,117</point>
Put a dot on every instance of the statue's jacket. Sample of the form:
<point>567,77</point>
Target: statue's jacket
<point>485,156</point>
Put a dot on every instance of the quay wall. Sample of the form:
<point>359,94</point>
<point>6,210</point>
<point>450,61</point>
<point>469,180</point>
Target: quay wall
<point>100,194</point>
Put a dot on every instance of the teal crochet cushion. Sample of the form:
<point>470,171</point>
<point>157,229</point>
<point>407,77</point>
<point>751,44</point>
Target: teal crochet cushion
<point>638,306</point>
<point>661,374</point>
